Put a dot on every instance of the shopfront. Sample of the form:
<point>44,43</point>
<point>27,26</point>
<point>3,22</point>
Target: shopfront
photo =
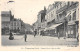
<point>60,30</point>
<point>72,29</point>
<point>52,30</point>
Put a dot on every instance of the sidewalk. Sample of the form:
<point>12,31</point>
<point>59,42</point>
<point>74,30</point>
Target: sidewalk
<point>62,38</point>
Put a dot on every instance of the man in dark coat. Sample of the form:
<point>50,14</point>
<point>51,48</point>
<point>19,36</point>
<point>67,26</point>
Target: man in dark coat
<point>25,36</point>
<point>35,32</point>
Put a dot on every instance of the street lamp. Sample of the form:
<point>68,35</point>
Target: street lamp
<point>11,6</point>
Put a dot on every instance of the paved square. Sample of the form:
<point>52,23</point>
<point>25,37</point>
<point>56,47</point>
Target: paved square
<point>38,40</point>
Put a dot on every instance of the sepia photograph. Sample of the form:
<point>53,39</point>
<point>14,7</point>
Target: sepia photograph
<point>39,23</point>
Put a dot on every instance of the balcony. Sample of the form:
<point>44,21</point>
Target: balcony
<point>61,9</point>
<point>69,7</point>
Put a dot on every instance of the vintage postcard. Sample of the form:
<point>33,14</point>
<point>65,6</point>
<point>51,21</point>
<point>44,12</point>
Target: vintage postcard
<point>39,25</point>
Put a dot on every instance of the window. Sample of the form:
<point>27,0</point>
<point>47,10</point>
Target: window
<point>17,23</point>
<point>68,3</point>
<point>48,16</point>
<point>60,15</point>
<point>57,17</point>
<point>56,7</point>
<point>70,18</point>
<point>14,23</point>
<point>60,5</point>
<point>6,24</point>
<point>74,15</point>
<point>5,15</point>
<point>15,27</point>
<point>51,14</point>
<point>11,24</point>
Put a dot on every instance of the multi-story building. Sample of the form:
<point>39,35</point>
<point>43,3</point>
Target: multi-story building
<point>17,26</point>
<point>41,20</point>
<point>72,19</point>
<point>6,17</point>
<point>50,19</point>
<point>61,19</point>
<point>8,22</point>
<point>50,15</point>
<point>67,15</point>
<point>61,13</point>
<point>64,19</point>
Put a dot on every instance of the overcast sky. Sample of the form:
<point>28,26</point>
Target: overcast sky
<point>27,10</point>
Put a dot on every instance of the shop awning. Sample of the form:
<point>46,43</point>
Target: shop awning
<point>47,29</point>
<point>52,27</point>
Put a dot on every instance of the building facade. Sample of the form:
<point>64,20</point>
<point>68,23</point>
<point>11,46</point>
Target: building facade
<point>61,19</point>
<point>8,22</point>
<point>17,26</point>
<point>41,21</point>
<point>67,14</point>
<point>6,17</point>
<point>61,13</point>
<point>50,19</point>
<point>73,19</point>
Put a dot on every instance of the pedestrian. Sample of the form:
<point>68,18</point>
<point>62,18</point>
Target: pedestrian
<point>77,37</point>
<point>25,36</point>
<point>58,35</point>
<point>34,33</point>
<point>11,37</point>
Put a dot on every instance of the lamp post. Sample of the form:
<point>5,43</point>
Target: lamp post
<point>11,6</point>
